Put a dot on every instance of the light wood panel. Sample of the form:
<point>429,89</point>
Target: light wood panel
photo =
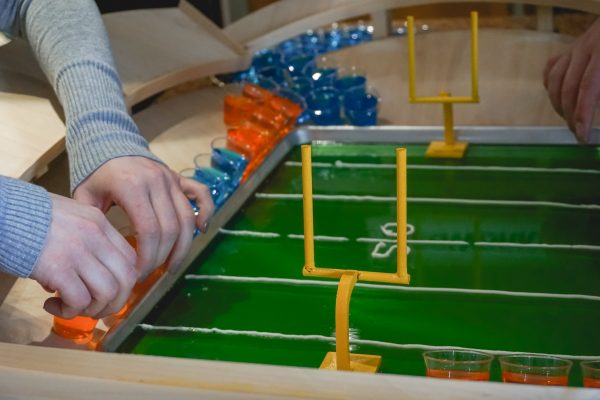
<point>157,49</point>
<point>166,375</point>
<point>287,18</point>
<point>32,133</point>
<point>511,65</point>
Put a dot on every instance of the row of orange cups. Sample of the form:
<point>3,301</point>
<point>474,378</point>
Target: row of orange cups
<point>257,120</point>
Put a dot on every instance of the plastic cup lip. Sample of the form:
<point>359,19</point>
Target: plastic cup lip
<point>436,355</point>
<point>292,95</point>
<point>219,141</point>
<point>511,361</point>
<point>591,365</point>
<point>328,93</point>
<point>200,156</point>
<point>188,172</point>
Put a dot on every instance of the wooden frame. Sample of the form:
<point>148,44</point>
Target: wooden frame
<point>32,371</point>
<point>287,18</point>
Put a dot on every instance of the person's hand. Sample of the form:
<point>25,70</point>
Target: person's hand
<point>156,200</point>
<point>572,80</point>
<point>87,261</point>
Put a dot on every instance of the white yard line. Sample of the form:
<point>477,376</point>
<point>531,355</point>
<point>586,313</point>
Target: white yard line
<point>539,245</point>
<point>321,238</point>
<point>329,339</point>
<point>484,168</point>
<point>398,288</point>
<point>427,200</point>
<point>269,235</point>
<point>325,238</point>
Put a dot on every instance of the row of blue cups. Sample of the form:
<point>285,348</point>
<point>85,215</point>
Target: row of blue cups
<point>221,171</point>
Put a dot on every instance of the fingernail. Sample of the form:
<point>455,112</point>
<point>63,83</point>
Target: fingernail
<point>204,227</point>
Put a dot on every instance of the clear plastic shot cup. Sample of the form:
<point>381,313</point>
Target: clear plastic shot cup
<point>458,364</point>
<point>535,370</point>
<point>591,373</point>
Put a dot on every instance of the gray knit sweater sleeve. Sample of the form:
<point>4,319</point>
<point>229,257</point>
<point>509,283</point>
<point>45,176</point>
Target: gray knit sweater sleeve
<point>71,44</point>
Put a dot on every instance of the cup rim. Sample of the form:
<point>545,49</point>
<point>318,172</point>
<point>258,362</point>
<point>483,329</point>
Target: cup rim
<point>486,358</point>
<point>188,169</point>
<point>213,140</point>
<point>587,364</point>
<point>506,360</point>
<point>207,154</point>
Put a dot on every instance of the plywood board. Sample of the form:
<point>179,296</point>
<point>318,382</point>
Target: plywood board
<point>156,49</point>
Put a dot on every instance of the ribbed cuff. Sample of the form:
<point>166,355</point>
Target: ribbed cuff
<point>98,126</point>
<point>25,216</point>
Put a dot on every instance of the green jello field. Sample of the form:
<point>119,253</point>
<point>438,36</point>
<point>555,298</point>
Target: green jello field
<point>504,257</point>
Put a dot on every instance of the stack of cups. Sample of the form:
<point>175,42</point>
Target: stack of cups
<point>258,117</point>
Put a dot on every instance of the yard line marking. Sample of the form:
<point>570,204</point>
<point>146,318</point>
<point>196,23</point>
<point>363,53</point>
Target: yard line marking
<point>269,235</point>
<point>330,339</point>
<point>498,168</point>
<point>415,241</point>
<point>540,245</point>
<point>324,238</point>
<point>320,238</point>
<point>314,164</point>
<point>313,282</point>
<point>426,200</point>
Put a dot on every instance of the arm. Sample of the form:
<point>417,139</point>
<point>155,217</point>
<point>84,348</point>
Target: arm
<point>109,160</point>
<point>572,80</point>
<point>61,246</point>
<point>67,247</point>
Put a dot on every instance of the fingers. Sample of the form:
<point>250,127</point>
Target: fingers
<point>587,100</point>
<point>123,273</point>
<point>167,217</point>
<point>145,222</point>
<point>101,284</point>
<point>74,297</point>
<point>555,82</point>
<point>571,84</point>
<point>187,223</point>
<point>196,191</point>
<point>549,65</point>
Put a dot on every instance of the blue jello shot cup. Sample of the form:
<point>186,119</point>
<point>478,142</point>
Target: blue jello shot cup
<point>231,162</point>
<point>324,106</point>
<point>361,107</point>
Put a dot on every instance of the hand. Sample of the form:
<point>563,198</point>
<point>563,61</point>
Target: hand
<point>572,80</point>
<point>87,261</point>
<point>156,200</point>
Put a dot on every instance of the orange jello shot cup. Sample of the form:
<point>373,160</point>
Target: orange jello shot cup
<point>458,364</point>
<point>535,370</point>
<point>79,328</point>
<point>257,93</point>
<point>237,109</point>
<point>591,373</point>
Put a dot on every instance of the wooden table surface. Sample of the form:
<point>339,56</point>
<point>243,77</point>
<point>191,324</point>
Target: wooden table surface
<point>182,126</point>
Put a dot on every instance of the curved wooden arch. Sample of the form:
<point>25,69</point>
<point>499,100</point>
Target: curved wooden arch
<point>32,133</point>
<point>156,49</point>
<point>284,19</point>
